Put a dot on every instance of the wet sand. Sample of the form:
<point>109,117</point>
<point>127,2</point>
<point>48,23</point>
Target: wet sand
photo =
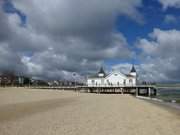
<point>50,112</point>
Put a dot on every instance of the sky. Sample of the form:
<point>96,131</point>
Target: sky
<point>57,39</point>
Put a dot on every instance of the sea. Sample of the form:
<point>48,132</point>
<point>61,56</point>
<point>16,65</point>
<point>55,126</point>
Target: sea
<point>170,95</point>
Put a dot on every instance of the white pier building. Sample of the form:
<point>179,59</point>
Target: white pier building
<point>114,78</point>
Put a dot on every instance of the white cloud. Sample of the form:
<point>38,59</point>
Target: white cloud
<point>160,55</point>
<point>65,36</point>
<point>170,3</point>
<point>170,19</point>
<point>124,67</point>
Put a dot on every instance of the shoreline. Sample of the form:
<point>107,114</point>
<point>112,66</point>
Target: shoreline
<point>172,107</point>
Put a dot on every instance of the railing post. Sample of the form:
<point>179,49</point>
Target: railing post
<point>137,91</point>
<point>149,91</point>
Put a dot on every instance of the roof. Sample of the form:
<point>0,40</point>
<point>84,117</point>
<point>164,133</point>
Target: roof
<point>96,75</point>
<point>116,72</point>
<point>101,71</point>
<point>105,75</point>
<point>133,69</point>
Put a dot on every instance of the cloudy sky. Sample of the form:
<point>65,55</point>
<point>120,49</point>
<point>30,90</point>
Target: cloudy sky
<point>54,39</point>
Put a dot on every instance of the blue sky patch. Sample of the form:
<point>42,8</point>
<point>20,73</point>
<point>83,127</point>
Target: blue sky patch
<point>154,17</point>
<point>9,8</point>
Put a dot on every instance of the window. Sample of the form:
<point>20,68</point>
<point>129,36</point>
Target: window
<point>115,74</point>
<point>130,80</point>
<point>92,81</point>
<point>108,82</point>
<point>124,82</point>
<point>118,83</point>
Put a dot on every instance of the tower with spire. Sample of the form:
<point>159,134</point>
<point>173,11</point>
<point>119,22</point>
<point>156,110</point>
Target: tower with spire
<point>133,71</point>
<point>101,72</point>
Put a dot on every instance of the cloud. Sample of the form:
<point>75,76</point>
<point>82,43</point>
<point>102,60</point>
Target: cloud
<point>93,20</point>
<point>170,19</point>
<point>160,55</point>
<point>124,67</point>
<point>63,37</point>
<point>8,7</point>
<point>170,3</point>
<point>10,61</point>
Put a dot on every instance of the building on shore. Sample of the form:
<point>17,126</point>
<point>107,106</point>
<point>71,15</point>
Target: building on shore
<point>114,78</point>
<point>11,80</point>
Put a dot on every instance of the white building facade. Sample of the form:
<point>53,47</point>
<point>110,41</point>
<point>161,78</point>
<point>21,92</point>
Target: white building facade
<point>115,78</point>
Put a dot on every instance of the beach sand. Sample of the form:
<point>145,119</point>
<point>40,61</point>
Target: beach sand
<point>49,112</point>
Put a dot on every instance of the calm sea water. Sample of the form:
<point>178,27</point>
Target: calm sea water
<point>169,95</point>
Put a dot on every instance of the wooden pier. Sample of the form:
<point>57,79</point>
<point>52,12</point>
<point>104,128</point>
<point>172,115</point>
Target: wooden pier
<point>139,90</point>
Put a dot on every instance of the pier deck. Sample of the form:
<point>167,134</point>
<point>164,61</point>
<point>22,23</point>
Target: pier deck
<point>146,90</point>
<point>143,90</point>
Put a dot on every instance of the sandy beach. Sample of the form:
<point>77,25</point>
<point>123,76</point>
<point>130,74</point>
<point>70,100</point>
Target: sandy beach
<point>49,112</point>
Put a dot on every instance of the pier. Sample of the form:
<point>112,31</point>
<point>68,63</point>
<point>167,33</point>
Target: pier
<point>139,90</point>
